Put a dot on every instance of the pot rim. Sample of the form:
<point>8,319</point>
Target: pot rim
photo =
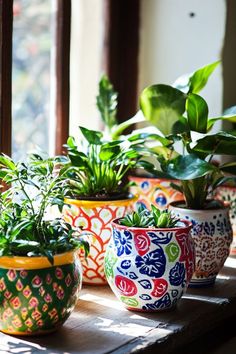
<point>153,179</point>
<point>101,203</point>
<point>187,226</point>
<point>174,205</point>
<point>37,262</point>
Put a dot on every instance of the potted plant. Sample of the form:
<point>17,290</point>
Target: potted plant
<point>40,277</point>
<point>187,112</point>
<point>150,259</point>
<point>99,191</point>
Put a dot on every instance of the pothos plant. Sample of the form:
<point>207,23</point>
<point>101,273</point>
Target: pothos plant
<point>96,169</point>
<point>145,218</point>
<point>25,227</point>
<point>178,112</point>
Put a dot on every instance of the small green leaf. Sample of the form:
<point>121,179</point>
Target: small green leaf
<point>200,77</point>
<point>92,136</point>
<point>197,112</point>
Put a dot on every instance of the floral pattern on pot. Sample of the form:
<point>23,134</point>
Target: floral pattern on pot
<point>154,191</point>
<point>228,195</point>
<point>37,301</point>
<point>149,269</point>
<point>95,218</point>
<point>212,235</point>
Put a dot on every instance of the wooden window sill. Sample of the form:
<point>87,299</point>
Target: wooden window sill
<point>100,324</point>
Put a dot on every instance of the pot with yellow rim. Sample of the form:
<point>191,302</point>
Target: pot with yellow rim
<point>35,296</point>
<point>95,217</point>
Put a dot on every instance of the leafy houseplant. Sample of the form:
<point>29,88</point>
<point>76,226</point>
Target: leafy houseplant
<point>150,259</point>
<point>179,115</point>
<point>96,171</point>
<point>39,275</point>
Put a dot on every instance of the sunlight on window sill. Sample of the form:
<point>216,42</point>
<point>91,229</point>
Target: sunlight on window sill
<point>211,299</point>
<point>230,262</point>
<point>114,304</point>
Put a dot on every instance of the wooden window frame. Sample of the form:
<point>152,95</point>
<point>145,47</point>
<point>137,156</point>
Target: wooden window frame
<point>121,48</point>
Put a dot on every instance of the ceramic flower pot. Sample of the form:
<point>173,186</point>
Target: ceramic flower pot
<point>95,217</point>
<point>149,269</point>
<point>155,191</point>
<point>228,195</point>
<point>212,235</point>
<point>35,297</point>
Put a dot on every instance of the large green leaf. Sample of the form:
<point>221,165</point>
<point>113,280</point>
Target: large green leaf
<point>220,143</point>
<point>162,105</point>
<point>187,167</point>
<point>150,136</point>
<point>109,151</point>
<point>197,113</point>
<point>92,136</point>
<point>200,77</point>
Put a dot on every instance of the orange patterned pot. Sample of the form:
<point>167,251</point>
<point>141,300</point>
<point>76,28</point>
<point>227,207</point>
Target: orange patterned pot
<point>36,297</point>
<point>95,217</point>
<point>155,191</point>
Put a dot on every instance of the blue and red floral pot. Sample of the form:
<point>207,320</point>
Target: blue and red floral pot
<point>212,235</point>
<point>36,297</point>
<point>149,269</point>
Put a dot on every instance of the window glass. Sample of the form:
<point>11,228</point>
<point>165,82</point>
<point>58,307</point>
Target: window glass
<point>32,43</point>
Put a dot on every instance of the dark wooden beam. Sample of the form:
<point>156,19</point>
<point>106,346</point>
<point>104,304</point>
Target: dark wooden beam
<point>63,30</point>
<point>6,28</point>
<point>121,50</point>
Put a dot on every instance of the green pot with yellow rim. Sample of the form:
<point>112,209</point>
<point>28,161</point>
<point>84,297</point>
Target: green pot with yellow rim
<point>94,217</point>
<point>35,296</point>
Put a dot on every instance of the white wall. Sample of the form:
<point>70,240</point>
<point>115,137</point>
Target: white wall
<point>174,43</point>
<point>86,54</point>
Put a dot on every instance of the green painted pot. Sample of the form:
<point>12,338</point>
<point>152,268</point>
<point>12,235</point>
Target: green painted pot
<point>35,297</point>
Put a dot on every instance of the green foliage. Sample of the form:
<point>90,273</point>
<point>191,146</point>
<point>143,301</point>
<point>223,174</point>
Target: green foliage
<point>194,167</point>
<point>25,228</point>
<point>149,218</point>
<point>107,102</point>
<point>97,168</point>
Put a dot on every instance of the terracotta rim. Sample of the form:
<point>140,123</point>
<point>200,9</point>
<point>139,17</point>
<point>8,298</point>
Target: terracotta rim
<point>28,263</point>
<point>101,203</point>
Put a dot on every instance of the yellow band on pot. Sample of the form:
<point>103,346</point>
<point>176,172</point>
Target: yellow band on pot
<point>100,203</point>
<point>28,263</point>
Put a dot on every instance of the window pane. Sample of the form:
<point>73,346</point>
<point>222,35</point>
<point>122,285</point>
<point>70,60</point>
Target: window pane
<point>32,42</point>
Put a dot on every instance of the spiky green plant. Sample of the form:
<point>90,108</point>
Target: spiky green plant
<point>145,218</point>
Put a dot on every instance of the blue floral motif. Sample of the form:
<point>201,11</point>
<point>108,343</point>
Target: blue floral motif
<point>177,274</point>
<point>146,284</point>
<point>123,242</point>
<point>209,228</point>
<point>152,264</point>
<point>145,185</point>
<point>145,297</point>
<point>126,264</point>
<point>164,302</point>
<point>161,200</point>
<point>132,275</point>
<point>160,237</point>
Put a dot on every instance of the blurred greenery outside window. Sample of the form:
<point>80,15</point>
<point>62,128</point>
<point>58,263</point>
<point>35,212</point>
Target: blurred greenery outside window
<point>31,76</point>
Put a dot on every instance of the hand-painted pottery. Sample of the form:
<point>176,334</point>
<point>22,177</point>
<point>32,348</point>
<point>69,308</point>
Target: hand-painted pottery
<point>95,217</point>
<point>36,297</point>
<point>149,269</point>
<point>155,191</point>
<point>228,195</point>
<point>212,235</point>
